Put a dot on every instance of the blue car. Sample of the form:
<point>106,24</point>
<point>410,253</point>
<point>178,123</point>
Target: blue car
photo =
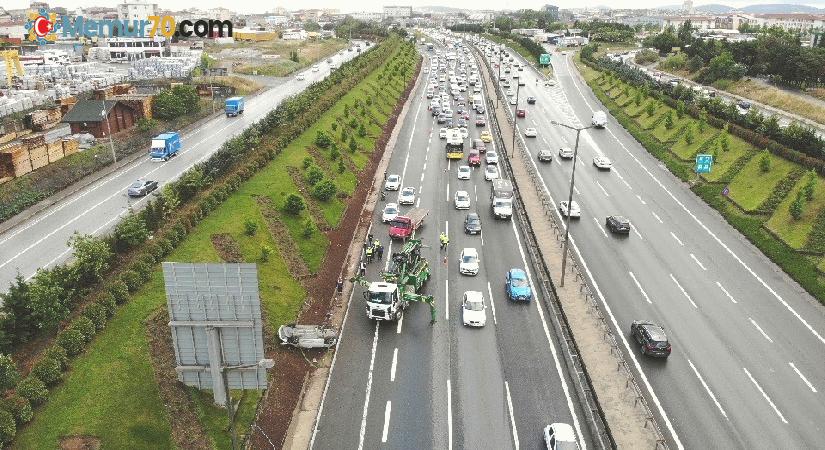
<point>518,286</point>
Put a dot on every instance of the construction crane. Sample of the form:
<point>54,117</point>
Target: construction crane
<point>12,59</point>
<point>402,283</point>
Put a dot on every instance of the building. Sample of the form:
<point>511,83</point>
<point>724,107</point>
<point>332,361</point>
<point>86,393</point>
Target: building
<point>732,21</point>
<point>368,16</point>
<point>791,22</point>
<point>136,10</point>
<point>527,31</point>
<point>276,21</point>
<point>219,14</point>
<point>697,22</point>
<point>127,48</point>
<point>687,7</point>
<point>397,12</point>
<point>294,35</point>
<point>90,116</point>
<point>14,30</point>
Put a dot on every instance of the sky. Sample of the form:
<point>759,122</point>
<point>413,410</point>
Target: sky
<point>249,6</point>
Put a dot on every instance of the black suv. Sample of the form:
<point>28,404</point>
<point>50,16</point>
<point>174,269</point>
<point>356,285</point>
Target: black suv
<point>472,224</point>
<point>531,100</point>
<point>617,224</point>
<point>651,337</point>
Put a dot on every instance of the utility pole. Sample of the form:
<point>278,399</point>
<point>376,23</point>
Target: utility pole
<point>109,128</point>
<point>570,196</point>
<point>515,128</point>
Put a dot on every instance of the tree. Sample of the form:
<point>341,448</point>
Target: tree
<point>266,251</point>
<point>33,389</point>
<point>9,376</point>
<point>650,109</point>
<point>49,297</point>
<point>720,67</point>
<point>130,232</point>
<point>669,120</point>
<point>810,185</point>
<point>313,175</point>
<point>681,109</point>
<point>322,139</point>
<point>688,135</point>
<point>294,204</point>
<point>765,161</point>
<point>309,228</point>
<point>250,227</point>
<point>311,26</point>
<point>325,190</point>
<point>18,323</point>
<point>724,141</point>
<point>362,132</point>
<point>664,41</point>
<point>695,63</point>
<point>797,207</point>
<point>770,127</point>
<point>8,428</point>
<point>353,146</point>
<point>92,256</point>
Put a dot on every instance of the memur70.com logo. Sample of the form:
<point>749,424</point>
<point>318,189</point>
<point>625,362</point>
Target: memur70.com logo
<point>43,27</point>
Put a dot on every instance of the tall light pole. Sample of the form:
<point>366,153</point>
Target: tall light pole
<point>515,128</point>
<point>498,78</point>
<point>569,197</point>
<point>109,127</point>
<point>264,363</point>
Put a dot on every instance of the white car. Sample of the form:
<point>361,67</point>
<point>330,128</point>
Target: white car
<point>530,132</point>
<point>602,162</point>
<point>468,262</point>
<point>407,196</point>
<point>574,210</point>
<point>390,212</point>
<point>300,77</point>
<point>566,153</point>
<point>513,101</point>
<point>442,133</point>
<point>491,157</point>
<point>464,132</point>
<point>464,172</point>
<point>315,68</point>
<point>560,436</point>
<point>473,309</point>
<point>490,172</point>
<point>393,183</point>
<point>462,200</point>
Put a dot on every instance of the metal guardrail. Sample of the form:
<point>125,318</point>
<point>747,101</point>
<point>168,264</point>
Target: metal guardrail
<point>583,383</point>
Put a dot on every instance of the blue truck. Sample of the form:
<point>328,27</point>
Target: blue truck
<point>165,146</point>
<point>233,106</point>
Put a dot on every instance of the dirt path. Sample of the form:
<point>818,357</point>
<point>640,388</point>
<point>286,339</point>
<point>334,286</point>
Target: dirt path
<point>312,206</point>
<point>227,248</point>
<point>287,247</point>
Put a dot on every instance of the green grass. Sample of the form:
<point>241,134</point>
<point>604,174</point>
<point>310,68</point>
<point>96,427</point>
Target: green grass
<point>634,110</point>
<point>737,148</point>
<point>646,121</point>
<point>215,419</point>
<point>664,135</point>
<point>750,187</point>
<point>795,232</point>
<point>688,151</point>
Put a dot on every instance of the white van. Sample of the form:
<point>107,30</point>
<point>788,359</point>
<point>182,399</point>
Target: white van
<point>599,119</point>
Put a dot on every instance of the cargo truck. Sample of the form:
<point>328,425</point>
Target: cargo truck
<point>234,106</point>
<point>164,146</point>
<point>501,199</point>
<point>404,226</point>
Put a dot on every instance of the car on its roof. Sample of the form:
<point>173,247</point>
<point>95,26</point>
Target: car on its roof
<point>617,224</point>
<point>574,211</point>
<point>651,337</point>
<point>141,187</point>
<point>472,224</point>
<point>602,162</point>
<point>517,285</point>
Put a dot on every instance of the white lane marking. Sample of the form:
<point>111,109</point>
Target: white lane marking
<point>768,399</point>
<point>363,431</point>
<point>512,417</point>
<point>387,412</point>
<point>677,239</point>
<point>394,364</point>
<point>449,416</point>
<point>707,389</point>
<point>765,335</point>
<point>726,292</point>
<point>684,292</point>
<point>576,190</point>
<point>492,303</point>
<point>602,188</point>
<point>417,202</point>
<point>400,321</point>
<point>447,300</point>
<point>697,261</point>
<point>805,380</point>
<point>622,178</point>
<point>599,226</point>
<point>635,230</point>
<point>448,191</point>
<point>553,351</point>
<point>638,285</point>
<point>656,216</point>
<point>613,320</point>
<point>640,199</point>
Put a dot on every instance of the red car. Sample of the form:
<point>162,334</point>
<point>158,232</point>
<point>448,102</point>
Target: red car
<point>521,113</point>
<point>474,158</point>
<point>480,122</point>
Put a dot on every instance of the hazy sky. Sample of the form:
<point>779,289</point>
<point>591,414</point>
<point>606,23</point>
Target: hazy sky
<point>375,5</point>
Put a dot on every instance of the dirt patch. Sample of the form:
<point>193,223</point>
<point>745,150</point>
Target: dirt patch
<point>289,250</point>
<point>227,248</point>
<point>80,443</point>
<point>187,431</point>
<point>312,206</point>
<point>321,159</point>
<point>276,408</point>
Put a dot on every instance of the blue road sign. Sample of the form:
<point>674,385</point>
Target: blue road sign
<point>703,163</point>
<point>544,59</point>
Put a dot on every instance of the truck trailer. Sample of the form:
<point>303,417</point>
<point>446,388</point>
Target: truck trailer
<point>234,106</point>
<point>165,146</point>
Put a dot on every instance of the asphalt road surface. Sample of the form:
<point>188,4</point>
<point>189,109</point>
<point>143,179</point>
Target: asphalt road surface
<point>747,368</point>
<point>41,241</point>
<point>413,385</point>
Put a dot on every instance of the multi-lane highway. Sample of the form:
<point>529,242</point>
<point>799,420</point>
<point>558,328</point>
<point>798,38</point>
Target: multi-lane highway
<point>40,241</point>
<point>414,385</point>
<point>746,369</point>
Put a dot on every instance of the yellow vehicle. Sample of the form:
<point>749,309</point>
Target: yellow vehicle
<point>486,136</point>
<point>455,144</point>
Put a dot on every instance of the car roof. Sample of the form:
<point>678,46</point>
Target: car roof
<point>462,193</point>
<point>474,296</point>
<point>563,432</point>
<point>517,273</point>
<point>620,218</point>
<point>655,332</point>
<point>469,251</point>
<point>472,216</point>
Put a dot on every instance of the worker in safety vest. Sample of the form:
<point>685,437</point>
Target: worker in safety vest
<point>444,240</point>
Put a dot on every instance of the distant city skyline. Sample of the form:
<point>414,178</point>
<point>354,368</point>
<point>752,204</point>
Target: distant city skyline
<point>260,6</point>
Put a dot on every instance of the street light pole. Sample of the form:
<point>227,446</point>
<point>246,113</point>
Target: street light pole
<point>109,128</point>
<point>569,197</point>
<point>230,408</point>
<point>498,78</point>
<point>515,109</point>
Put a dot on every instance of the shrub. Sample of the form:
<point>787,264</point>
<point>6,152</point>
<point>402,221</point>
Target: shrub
<point>266,251</point>
<point>322,139</point>
<point>353,146</point>
<point>324,190</point>
<point>309,228</point>
<point>9,376</point>
<point>333,152</point>
<point>92,256</point>
<point>765,161</point>
<point>96,313</point>
<point>33,389</point>
<point>810,185</point>
<point>250,227</point>
<point>19,407</point>
<point>144,124</point>
<point>307,162</point>
<point>344,134</point>
<point>7,426</point>
<point>48,371</point>
<point>143,270</point>
<point>695,63</point>
<point>109,305</point>
<point>669,120</point>
<point>681,109</point>
<point>131,231</point>
<point>72,340</point>
<point>132,279</point>
<point>341,166</point>
<point>650,109</point>
<point>119,291</point>
<point>58,354</point>
<point>313,175</point>
<point>294,204</point>
<point>362,131</point>
<point>688,135</point>
<point>724,141</point>
<point>797,206</point>
<point>334,126</point>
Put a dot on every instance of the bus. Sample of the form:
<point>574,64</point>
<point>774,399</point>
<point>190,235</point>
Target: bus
<point>455,144</point>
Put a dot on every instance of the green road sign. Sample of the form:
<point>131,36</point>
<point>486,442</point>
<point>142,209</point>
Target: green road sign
<point>544,59</point>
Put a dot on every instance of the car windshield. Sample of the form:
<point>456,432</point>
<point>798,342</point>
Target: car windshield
<point>390,210</point>
<point>474,305</point>
<point>136,184</point>
<point>392,178</point>
<point>462,197</point>
<point>399,224</point>
<point>472,221</point>
<point>385,298</point>
<point>491,169</point>
<point>517,281</point>
<point>469,259</point>
<point>463,169</point>
<point>407,191</point>
<point>491,154</point>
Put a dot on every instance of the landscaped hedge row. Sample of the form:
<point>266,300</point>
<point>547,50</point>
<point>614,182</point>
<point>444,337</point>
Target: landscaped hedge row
<point>177,210</point>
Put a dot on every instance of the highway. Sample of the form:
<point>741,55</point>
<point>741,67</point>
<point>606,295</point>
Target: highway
<point>409,384</point>
<point>41,241</point>
<point>746,369</point>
